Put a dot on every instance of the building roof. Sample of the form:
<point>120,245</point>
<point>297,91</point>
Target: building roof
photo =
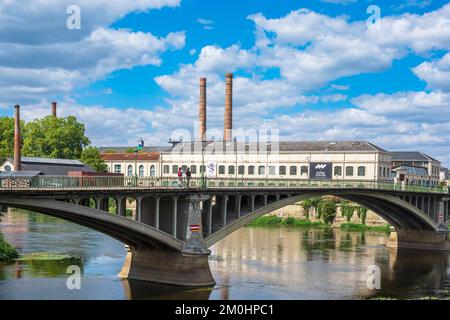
<point>282,146</point>
<point>52,167</point>
<point>411,156</point>
<point>142,156</point>
<point>25,174</point>
<point>125,149</point>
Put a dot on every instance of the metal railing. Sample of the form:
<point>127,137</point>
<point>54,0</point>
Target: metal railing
<point>108,183</point>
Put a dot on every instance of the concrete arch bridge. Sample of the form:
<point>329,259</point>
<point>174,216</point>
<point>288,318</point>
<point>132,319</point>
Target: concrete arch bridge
<point>173,227</point>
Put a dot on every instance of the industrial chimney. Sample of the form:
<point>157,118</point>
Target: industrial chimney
<point>54,109</point>
<point>17,144</point>
<point>228,121</point>
<point>202,111</point>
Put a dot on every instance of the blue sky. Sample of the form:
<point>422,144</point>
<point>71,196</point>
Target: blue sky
<point>313,70</point>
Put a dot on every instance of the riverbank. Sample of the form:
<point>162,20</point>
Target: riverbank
<point>275,221</point>
<point>7,251</point>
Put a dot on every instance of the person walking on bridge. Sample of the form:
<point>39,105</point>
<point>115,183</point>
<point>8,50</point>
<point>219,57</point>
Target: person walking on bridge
<point>180,177</point>
<point>188,176</point>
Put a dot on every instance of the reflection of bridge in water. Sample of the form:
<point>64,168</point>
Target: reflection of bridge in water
<point>174,226</point>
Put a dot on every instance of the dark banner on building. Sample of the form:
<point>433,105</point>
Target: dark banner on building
<point>320,170</point>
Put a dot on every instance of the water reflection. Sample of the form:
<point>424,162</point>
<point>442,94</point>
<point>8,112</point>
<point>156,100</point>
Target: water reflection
<point>252,263</point>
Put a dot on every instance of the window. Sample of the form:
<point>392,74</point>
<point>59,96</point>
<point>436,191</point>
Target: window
<point>193,169</point>
<point>166,169</point>
<point>152,171</point>
<point>175,169</point>
<point>293,170</point>
<point>282,170</point>
<point>304,170</point>
<point>272,170</point>
<point>231,170</point>
<point>183,168</point>
<point>130,170</point>
<point>141,171</point>
<point>251,170</point>
<point>221,169</point>
<point>380,172</point>
<point>241,170</point>
<point>349,171</point>
<point>361,171</point>
<point>261,170</point>
<point>384,171</point>
<point>202,169</point>
<point>338,171</point>
<point>117,168</point>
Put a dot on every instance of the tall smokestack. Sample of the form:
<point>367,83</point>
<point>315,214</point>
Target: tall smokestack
<point>202,111</point>
<point>54,109</point>
<point>228,121</point>
<point>17,144</point>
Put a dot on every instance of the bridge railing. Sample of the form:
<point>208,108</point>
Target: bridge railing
<point>108,182</point>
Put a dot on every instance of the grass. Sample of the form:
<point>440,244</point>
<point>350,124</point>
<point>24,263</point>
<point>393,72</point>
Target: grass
<point>363,227</point>
<point>47,256</point>
<point>7,251</point>
<point>273,221</point>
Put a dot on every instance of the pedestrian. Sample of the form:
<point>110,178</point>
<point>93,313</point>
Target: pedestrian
<point>180,177</point>
<point>188,176</point>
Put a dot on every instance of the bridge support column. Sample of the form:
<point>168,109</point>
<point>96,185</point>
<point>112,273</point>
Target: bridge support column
<point>188,267</point>
<point>238,205</point>
<point>174,216</point>
<point>138,216</point>
<point>419,239</point>
<point>224,210</point>
<point>121,206</point>
<point>252,200</point>
<point>157,212</point>
<point>209,217</point>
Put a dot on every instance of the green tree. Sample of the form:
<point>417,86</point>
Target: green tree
<point>347,210</point>
<point>328,211</point>
<point>362,214</point>
<point>91,156</point>
<point>306,205</point>
<point>7,136</point>
<point>54,138</point>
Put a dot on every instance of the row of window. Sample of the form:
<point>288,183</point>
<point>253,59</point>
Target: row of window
<point>383,172</point>
<point>152,171</point>
<point>261,170</point>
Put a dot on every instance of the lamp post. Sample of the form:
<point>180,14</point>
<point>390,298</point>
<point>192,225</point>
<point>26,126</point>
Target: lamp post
<point>203,168</point>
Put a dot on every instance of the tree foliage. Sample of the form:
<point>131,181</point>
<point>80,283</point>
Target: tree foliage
<point>327,210</point>
<point>7,136</point>
<point>54,138</point>
<point>92,157</point>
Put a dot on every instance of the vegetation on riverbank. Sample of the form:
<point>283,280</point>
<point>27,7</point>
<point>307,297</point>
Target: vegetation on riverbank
<point>363,227</point>
<point>48,256</point>
<point>7,251</point>
<point>272,221</point>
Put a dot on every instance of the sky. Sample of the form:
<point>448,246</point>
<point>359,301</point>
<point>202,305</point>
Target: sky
<point>309,70</point>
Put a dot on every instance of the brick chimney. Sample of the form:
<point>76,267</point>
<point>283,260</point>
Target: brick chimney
<point>202,111</point>
<point>228,121</point>
<point>17,142</point>
<point>54,109</point>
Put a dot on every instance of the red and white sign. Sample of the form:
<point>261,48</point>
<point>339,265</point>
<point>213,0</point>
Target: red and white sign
<point>195,227</point>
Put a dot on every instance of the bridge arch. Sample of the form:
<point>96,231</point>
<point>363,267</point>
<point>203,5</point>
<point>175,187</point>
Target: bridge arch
<point>400,214</point>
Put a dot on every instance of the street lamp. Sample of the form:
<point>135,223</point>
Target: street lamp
<point>203,168</point>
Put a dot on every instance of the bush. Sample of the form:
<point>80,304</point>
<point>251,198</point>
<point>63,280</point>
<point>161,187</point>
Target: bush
<point>7,251</point>
<point>328,211</point>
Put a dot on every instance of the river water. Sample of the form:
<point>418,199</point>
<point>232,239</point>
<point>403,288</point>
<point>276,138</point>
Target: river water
<point>252,263</point>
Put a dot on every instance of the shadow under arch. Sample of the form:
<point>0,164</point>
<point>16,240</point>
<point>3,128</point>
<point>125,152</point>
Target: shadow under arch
<point>399,213</point>
<point>130,232</point>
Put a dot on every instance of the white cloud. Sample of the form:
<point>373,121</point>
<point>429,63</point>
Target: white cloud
<point>435,73</point>
<point>40,57</point>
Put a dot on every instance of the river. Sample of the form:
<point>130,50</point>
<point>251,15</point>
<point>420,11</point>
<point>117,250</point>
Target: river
<point>252,263</point>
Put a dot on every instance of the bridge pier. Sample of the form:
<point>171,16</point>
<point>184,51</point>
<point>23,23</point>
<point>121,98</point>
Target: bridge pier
<point>415,239</point>
<point>188,267</point>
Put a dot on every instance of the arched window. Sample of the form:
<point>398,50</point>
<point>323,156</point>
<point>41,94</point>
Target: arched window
<point>193,169</point>
<point>349,171</point>
<point>166,169</point>
<point>152,171</point>
<point>361,171</point>
<point>304,170</point>
<point>141,171</point>
<point>261,170</point>
<point>241,170</point>
<point>130,170</point>
<point>221,169</point>
<point>230,169</point>
<point>282,170</point>
<point>293,170</point>
<point>384,171</point>
<point>251,170</point>
<point>272,170</point>
<point>338,171</point>
<point>174,169</point>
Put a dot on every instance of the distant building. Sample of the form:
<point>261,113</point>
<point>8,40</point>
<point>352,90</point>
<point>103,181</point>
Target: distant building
<point>404,174</point>
<point>444,175</point>
<point>44,166</point>
<point>418,159</point>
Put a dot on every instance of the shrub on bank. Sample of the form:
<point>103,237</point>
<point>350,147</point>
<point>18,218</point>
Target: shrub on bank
<point>269,221</point>
<point>7,251</point>
<point>363,227</point>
